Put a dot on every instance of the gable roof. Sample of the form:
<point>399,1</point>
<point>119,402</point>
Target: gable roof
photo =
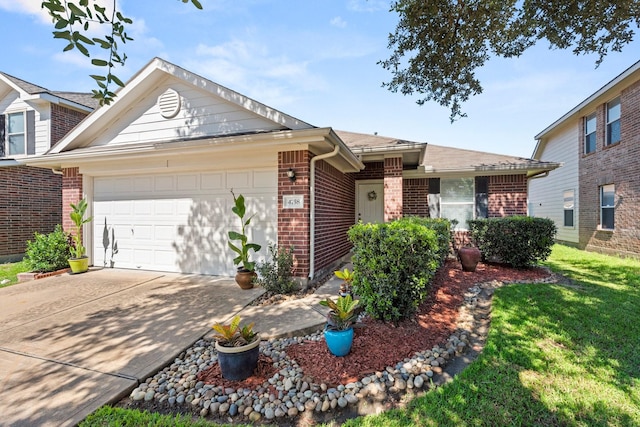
<point>437,160</point>
<point>78,100</point>
<point>148,79</point>
<point>602,95</point>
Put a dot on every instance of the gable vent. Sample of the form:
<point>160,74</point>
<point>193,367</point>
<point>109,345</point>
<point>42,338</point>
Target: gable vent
<point>169,103</point>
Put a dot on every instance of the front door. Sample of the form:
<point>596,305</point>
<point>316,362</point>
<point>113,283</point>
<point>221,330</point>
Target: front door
<point>370,208</point>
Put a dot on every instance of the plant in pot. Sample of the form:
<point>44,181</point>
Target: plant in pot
<point>342,316</point>
<point>238,349</point>
<point>246,274</point>
<point>347,276</point>
<point>78,262</point>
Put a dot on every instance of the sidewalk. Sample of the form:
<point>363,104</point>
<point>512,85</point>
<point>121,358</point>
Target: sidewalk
<point>293,317</point>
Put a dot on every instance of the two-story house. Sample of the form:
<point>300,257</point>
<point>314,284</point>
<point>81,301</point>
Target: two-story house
<point>32,119</point>
<point>594,199</point>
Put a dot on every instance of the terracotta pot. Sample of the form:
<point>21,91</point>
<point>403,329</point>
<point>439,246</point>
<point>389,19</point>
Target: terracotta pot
<point>469,258</point>
<point>245,278</point>
<point>79,265</point>
<point>238,363</point>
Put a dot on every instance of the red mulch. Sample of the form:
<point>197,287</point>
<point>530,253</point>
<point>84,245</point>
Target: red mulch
<point>377,345</point>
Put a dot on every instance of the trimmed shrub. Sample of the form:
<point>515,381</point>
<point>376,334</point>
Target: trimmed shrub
<point>518,241</point>
<point>442,227</point>
<point>393,266</point>
<point>48,252</point>
<point>276,274</point>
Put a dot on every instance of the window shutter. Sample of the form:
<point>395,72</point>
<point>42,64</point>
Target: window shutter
<point>482,197</point>
<point>31,132</point>
<point>2,130</point>
<point>434,197</point>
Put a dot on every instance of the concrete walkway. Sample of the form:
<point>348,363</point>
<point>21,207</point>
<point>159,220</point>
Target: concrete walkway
<point>72,343</point>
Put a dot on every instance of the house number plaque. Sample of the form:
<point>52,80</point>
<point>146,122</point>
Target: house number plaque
<point>294,201</point>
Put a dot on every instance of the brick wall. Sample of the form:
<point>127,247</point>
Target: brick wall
<point>617,164</point>
<point>414,196</point>
<point>293,224</point>
<point>63,120</point>
<point>392,188</point>
<point>71,193</point>
<point>335,204</point>
<point>372,170</point>
<point>31,201</point>
<point>507,195</point>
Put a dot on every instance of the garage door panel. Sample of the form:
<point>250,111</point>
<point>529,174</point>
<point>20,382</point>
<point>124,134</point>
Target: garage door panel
<point>180,222</point>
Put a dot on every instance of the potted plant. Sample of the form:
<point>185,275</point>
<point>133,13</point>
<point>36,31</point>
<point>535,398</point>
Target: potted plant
<point>338,332</point>
<point>246,269</point>
<point>238,349</point>
<point>345,287</point>
<point>78,262</point>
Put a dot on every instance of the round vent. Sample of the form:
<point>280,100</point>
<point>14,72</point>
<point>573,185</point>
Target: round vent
<point>169,103</point>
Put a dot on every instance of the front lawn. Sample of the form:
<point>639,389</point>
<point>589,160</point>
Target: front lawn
<point>9,271</point>
<point>556,355</point>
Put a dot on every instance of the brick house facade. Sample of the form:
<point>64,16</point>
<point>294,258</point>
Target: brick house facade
<point>605,156</point>
<point>311,212</point>
<point>32,197</point>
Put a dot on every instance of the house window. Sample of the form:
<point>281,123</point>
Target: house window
<point>16,135</point>
<point>568,205</point>
<point>613,121</point>
<point>457,200</point>
<point>607,207</point>
<point>590,134</point>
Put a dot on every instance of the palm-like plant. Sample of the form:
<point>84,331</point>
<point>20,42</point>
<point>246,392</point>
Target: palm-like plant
<point>243,249</point>
<point>343,312</point>
<point>234,334</point>
<point>77,216</point>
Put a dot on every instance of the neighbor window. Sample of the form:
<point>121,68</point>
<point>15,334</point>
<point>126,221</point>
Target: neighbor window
<point>568,208</point>
<point>613,121</point>
<point>590,134</point>
<point>16,136</point>
<point>607,207</point>
<point>457,200</point>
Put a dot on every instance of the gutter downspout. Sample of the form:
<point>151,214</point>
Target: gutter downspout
<point>312,206</point>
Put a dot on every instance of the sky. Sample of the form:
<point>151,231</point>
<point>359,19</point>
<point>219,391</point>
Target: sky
<point>317,60</point>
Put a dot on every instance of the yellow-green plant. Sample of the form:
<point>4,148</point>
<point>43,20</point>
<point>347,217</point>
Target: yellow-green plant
<point>77,216</point>
<point>346,275</point>
<point>343,314</point>
<point>234,334</point>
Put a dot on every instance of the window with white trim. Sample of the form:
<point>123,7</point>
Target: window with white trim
<point>607,206</point>
<point>590,133</point>
<point>16,134</point>
<point>613,121</point>
<point>457,200</point>
<point>568,206</point>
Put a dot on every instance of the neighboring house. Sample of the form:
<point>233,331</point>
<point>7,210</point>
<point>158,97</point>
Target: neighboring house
<point>157,167</point>
<point>594,199</point>
<point>32,119</point>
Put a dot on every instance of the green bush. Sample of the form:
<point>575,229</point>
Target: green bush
<point>393,266</point>
<point>442,227</point>
<point>276,274</point>
<point>518,241</point>
<point>48,252</point>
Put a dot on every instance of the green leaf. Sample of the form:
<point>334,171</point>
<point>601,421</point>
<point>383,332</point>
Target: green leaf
<point>99,62</point>
<point>62,23</point>
<point>116,80</point>
<point>75,10</point>
<point>197,4</point>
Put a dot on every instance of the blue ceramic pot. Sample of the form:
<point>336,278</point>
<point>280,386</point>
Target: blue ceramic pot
<point>339,342</point>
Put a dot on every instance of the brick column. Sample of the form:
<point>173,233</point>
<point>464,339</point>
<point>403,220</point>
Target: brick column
<point>294,224</point>
<point>392,188</point>
<point>71,193</point>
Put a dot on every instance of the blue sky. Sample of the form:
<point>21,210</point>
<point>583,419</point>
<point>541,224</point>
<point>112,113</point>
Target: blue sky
<point>317,60</point>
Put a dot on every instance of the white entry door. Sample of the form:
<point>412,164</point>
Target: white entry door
<point>370,207</point>
<point>179,222</point>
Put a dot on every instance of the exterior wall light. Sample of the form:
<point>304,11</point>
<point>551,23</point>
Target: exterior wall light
<point>291,174</point>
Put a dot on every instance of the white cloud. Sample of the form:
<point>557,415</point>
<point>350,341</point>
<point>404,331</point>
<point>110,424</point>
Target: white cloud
<point>338,22</point>
<point>368,5</point>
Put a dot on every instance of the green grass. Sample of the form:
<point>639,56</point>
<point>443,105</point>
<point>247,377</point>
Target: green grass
<point>110,417</point>
<point>556,355</point>
<point>10,272</point>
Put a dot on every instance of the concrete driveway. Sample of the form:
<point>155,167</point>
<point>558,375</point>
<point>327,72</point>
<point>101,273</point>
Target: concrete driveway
<point>72,343</point>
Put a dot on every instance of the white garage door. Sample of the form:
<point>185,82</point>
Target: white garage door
<point>179,222</point>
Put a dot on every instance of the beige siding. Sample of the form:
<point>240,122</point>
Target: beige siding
<point>201,115</point>
<point>546,195</point>
<point>12,103</point>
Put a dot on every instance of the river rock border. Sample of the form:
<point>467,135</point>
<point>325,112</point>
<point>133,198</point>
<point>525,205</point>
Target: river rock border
<point>176,388</point>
